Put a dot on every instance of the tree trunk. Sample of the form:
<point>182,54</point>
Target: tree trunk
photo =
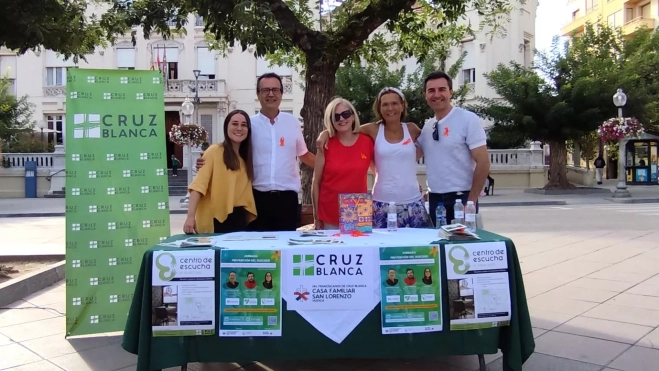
<point>319,91</point>
<point>558,166</point>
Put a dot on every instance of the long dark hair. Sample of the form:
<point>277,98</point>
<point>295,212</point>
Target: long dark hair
<point>230,159</point>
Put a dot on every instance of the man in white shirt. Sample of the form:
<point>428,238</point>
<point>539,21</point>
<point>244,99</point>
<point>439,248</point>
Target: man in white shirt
<point>277,143</point>
<point>454,149</point>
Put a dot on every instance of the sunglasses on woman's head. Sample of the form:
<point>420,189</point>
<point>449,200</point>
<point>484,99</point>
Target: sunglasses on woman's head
<point>345,114</point>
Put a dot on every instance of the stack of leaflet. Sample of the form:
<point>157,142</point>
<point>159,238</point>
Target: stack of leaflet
<point>320,239</point>
<point>457,232</point>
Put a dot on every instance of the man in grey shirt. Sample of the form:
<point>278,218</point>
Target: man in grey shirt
<point>454,149</point>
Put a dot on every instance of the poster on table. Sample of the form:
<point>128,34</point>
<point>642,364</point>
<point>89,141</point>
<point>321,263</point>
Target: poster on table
<point>183,293</point>
<point>117,202</point>
<point>250,293</point>
<point>410,283</point>
<point>478,286</point>
<point>330,278</point>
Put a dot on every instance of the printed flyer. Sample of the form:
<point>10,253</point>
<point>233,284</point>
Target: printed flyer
<point>478,286</point>
<point>183,293</point>
<point>331,278</point>
<point>411,289</point>
<point>250,293</point>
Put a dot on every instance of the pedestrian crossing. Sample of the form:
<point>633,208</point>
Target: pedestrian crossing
<point>635,209</point>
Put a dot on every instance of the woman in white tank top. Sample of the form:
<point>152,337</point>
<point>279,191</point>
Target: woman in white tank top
<point>395,162</point>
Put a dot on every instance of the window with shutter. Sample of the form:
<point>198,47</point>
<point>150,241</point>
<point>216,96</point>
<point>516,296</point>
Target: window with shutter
<point>207,124</point>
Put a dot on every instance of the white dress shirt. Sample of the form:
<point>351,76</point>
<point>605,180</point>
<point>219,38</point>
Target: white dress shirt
<point>275,149</point>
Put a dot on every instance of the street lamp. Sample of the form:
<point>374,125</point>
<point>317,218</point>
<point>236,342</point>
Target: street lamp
<point>619,100</point>
<point>42,125</point>
<point>187,108</point>
<point>196,94</point>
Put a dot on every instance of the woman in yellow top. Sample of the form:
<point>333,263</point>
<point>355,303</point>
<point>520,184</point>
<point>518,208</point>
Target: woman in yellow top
<point>221,197</point>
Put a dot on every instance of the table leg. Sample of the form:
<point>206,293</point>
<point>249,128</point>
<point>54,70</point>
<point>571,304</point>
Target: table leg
<point>481,363</point>
<point>184,367</point>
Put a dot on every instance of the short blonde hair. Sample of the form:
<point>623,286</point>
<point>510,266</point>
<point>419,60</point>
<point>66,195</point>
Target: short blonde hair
<point>378,101</point>
<point>329,115</point>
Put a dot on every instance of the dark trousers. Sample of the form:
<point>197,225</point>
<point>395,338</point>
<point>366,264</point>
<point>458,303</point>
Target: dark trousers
<point>235,222</point>
<point>448,199</point>
<point>276,211</point>
<point>174,169</point>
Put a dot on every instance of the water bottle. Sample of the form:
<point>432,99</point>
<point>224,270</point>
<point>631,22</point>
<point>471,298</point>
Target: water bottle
<point>459,212</point>
<point>470,216</point>
<point>392,217</point>
<point>440,215</point>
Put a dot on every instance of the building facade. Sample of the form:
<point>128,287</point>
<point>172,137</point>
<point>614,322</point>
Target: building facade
<point>226,80</point>
<point>629,15</point>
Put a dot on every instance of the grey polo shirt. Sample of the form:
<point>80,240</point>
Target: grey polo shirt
<point>449,165</point>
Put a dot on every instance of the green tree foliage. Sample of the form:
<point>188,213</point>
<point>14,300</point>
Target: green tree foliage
<point>15,113</point>
<point>361,85</point>
<point>57,25</point>
<point>641,55</point>
<point>565,97</point>
<point>293,31</point>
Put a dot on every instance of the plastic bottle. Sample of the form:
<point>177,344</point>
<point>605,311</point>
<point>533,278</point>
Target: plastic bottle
<point>470,216</point>
<point>459,212</point>
<point>440,215</point>
<point>392,217</point>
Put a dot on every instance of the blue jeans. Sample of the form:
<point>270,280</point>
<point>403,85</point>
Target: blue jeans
<point>448,199</point>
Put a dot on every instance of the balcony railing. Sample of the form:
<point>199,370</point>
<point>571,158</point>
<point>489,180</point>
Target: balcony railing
<point>17,160</point>
<point>636,23</point>
<point>512,159</point>
<point>188,86</point>
<point>54,91</point>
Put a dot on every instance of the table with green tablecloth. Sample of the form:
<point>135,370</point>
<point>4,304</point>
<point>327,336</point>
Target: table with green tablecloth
<point>300,340</point>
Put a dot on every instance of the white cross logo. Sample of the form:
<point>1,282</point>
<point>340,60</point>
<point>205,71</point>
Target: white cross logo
<point>91,79</point>
<point>162,205</point>
<point>112,261</point>
<point>112,225</point>
<point>93,244</point>
<point>110,157</point>
<point>75,226</point>
<point>128,242</point>
<point>124,80</point>
<point>130,279</point>
<point>92,175</point>
<point>145,189</point>
<point>128,207</point>
<point>75,157</point>
<point>75,191</point>
<point>114,298</point>
<point>93,208</point>
<point>93,319</point>
<point>139,96</point>
<point>156,80</point>
<point>110,191</point>
<point>146,224</point>
<point>162,238</point>
<point>93,281</point>
<point>77,301</point>
<point>160,171</point>
<point>107,96</point>
<point>126,173</point>
<point>75,264</point>
<point>74,94</point>
<point>144,156</point>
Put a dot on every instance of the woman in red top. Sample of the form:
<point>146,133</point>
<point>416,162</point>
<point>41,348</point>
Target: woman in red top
<point>343,166</point>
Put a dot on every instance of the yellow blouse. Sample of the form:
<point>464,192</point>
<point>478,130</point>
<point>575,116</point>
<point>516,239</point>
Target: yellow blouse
<point>222,190</point>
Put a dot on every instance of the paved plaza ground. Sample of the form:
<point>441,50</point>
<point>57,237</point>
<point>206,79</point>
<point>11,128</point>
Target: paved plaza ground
<point>590,269</point>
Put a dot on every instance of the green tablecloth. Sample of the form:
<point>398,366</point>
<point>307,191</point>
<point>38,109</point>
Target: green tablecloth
<point>301,340</point>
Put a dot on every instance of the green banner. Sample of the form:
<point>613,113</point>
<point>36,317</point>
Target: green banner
<point>411,289</point>
<point>250,293</point>
<point>117,202</point>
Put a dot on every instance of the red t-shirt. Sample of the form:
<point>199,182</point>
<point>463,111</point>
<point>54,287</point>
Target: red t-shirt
<point>345,171</point>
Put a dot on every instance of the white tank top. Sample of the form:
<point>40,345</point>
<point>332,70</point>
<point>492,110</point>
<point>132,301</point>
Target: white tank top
<point>396,169</point>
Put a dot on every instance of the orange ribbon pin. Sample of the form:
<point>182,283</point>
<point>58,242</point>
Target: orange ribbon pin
<point>408,141</point>
<point>281,142</point>
<point>446,132</point>
<point>363,156</point>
